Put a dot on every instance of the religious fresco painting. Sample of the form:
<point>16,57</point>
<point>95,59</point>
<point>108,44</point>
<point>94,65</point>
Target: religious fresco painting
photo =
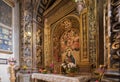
<point>66,42</point>
<point>70,45</point>
<point>5,27</point>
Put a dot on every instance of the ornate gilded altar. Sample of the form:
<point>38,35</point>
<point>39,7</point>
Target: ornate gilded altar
<point>47,40</point>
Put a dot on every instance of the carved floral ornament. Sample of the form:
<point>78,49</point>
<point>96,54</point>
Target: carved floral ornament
<point>66,24</point>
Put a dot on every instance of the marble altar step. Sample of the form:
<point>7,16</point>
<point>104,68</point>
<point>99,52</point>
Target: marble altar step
<point>110,80</point>
<point>112,75</point>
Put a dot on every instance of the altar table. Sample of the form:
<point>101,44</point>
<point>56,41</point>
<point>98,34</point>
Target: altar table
<point>59,78</point>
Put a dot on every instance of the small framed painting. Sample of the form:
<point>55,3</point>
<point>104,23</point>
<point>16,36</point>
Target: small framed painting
<point>3,61</point>
<point>5,26</point>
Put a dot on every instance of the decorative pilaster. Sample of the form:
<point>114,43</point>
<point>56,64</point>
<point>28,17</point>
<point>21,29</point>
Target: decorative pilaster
<point>92,34</point>
<point>47,48</point>
<point>26,33</point>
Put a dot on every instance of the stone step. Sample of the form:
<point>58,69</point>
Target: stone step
<point>110,80</point>
<point>112,75</point>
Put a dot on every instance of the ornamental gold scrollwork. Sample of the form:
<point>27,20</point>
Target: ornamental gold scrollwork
<point>116,45</point>
<point>115,34</point>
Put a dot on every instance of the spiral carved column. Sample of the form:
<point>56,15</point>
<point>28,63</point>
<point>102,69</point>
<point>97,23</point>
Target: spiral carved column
<point>115,35</point>
<point>114,57</point>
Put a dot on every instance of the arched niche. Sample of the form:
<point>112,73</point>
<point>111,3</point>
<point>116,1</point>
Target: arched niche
<point>65,37</point>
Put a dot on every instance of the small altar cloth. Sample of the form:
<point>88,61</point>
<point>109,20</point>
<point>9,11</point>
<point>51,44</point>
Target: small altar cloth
<point>59,78</point>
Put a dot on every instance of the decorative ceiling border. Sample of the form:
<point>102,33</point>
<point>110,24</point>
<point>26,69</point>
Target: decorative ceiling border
<point>52,7</point>
<point>10,2</point>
